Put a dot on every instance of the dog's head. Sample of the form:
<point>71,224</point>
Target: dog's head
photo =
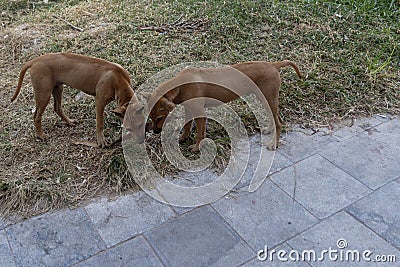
<point>133,119</point>
<point>159,113</point>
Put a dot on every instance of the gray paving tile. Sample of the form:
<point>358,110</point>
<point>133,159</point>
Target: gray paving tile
<point>267,216</point>
<point>381,212</point>
<point>321,187</point>
<point>271,258</point>
<point>388,133</point>
<point>348,129</point>
<point>135,252</point>
<point>369,161</point>
<point>6,258</point>
<point>279,162</point>
<point>3,223</point>
<point>383,117</point>
<point>341,226</point>
<point>297,145</point>
<point>193,179</point>
<point>199,238</point>
<point>127,216</point>
<point>181,210</point>
<point>54,239</point>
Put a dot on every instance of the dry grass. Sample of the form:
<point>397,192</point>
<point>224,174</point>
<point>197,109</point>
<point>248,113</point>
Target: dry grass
<point>348,52</point>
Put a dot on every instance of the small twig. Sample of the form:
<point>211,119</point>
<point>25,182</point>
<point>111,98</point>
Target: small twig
<point>95,145</point>
<point>88,13</point>
<point>178,20</point>
<point>69,24</point>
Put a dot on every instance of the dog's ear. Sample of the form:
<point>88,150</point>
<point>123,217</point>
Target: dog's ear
<point>138,109</point>
<point>172,94</point>
<point>167,104</point>
<point>119,111</point>
<point>149,126</point>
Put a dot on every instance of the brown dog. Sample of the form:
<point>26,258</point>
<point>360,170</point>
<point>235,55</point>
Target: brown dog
<point>192,83</point>
<point>104,80</point>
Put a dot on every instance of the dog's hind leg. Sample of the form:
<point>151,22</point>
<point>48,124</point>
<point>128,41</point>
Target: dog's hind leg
<point>41,104</point>
<point>42,87</point>
<point>57,94</point>
<point>273,102</point>
<point>278,126</point>
<point>201,132</point>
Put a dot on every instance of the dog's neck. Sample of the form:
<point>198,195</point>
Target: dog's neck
<point>172,95</point>
<point>123,97</point>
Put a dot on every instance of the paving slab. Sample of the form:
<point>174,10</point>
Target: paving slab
<point>135,252</point>
<point>199,238</point>
<point>207,176</point>
<point>321,187</point>
<point>271,258</point>
<point>380,211</point>
<point>371,162</point>
<point>193,179</point>
<point>54,239</point>
<point>6,257</point>
<point>342,233</point>
<point>279,162</point>
<point>128,216</point>
<point>350,128</point>
<point>387,133</point>
<point>267,216</point>
<point>3,223</point>
<point>300,144</point>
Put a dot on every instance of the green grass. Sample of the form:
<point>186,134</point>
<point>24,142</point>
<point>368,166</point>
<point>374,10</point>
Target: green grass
<point>347,51</point>
<point>343,47</point>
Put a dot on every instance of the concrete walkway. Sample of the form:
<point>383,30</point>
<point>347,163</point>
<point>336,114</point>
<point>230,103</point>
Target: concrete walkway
<point>335,194</point>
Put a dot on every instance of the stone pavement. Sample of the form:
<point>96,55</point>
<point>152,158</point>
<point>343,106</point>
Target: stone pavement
<point>334,193</point>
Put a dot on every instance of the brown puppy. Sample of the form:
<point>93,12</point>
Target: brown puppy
<point>192,83</point>
<point>104,80</point>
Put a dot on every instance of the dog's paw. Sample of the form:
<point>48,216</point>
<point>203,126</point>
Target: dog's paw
<point>101,142</point>
<point>266,130</point>
<point>182,140</point>
<point>272,145</point>
<point>41,137</point>
<point>195,148</point>
<point>72,122</point>
<point>183,137</point>
<point>103,145</point>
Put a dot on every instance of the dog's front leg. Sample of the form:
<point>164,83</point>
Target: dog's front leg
<point>187,127</point>
<point>57,95</point>
<point>100,105</point>
<point>201,132</point>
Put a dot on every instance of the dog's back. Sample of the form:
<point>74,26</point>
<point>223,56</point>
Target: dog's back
<point>78,71</point>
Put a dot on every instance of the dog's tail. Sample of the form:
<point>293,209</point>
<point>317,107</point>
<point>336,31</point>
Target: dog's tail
<point>285,63</point>
<point>26,66</point>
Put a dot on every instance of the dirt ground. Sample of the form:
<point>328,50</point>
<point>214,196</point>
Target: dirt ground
<point>344,77</point>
